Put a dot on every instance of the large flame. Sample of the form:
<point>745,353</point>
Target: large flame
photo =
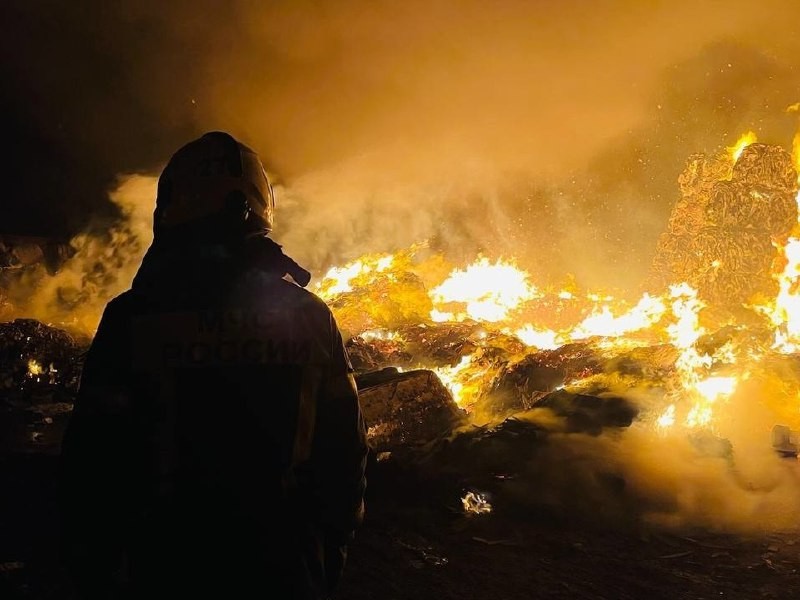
<point>359,272</point>
<point>646,313</point>
<point>743,142</point>
<point>488,291</point>
<point>785,313</point>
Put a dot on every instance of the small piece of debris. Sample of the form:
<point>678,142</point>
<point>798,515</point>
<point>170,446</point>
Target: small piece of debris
<point>677,554</point>
<point>506,542</point>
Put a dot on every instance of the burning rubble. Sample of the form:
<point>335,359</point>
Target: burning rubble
<point>40,369</point>
<point>725,231</point>
<point>529,368</point>
<point>501,344</point>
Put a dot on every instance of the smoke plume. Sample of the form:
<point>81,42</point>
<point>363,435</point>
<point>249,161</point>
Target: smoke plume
<point>553,133</point>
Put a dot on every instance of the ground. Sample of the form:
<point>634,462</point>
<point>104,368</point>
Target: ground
<point>415,546</point>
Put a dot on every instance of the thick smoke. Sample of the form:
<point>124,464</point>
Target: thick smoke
<point>105,261</point>
<point>550,132</point>
<point>729,479</point>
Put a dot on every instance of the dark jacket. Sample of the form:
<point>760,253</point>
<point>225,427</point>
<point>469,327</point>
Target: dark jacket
<point>217,444</point>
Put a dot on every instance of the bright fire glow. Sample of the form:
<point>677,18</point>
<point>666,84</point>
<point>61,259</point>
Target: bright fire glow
<point>647,312</point>
<point>339,280</point>
<point>785,315</point>
<point>34,368</point>
<point>743,142</point>
<point>685,306</point>
<point>667,418</point>
<point>378,334</point>
<point>716,387</point>
<point>544,339</point>
<point>692,365</point>
<point>704,369</point>
<point>796,152</point>
<point>458,379</point>
<point>476,503</point>
<point>488,291</point>
<point>711,390</point>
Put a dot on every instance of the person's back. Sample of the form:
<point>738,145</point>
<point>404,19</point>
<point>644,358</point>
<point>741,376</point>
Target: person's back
<point>217,441</point>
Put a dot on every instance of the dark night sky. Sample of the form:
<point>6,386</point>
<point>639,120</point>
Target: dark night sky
<point>518,127</point>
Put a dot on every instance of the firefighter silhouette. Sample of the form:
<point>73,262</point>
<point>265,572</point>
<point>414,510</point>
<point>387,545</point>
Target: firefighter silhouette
<point>217,445</point>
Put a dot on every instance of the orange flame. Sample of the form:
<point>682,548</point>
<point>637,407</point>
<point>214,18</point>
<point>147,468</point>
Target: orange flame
<point>488,291</point>
<point>743,142</point>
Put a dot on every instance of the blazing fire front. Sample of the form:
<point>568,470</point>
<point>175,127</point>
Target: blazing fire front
<point>677,389</point>
<point>706,352</point>
<point>721,300</point>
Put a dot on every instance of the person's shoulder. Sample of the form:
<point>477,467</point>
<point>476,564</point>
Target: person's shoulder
<point>126,303</point>
<point>305,297</point>
<point>282,291</point>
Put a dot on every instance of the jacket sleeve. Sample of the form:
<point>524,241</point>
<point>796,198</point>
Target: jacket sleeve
<point>95,465</point>
<point>339,450</point>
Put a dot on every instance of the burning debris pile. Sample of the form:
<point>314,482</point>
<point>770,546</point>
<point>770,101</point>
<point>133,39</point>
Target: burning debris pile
<point>501,344</point>
<point>705,358</point>
<point>722,235</point>
<point>39,363</point>
<point>40,369</point>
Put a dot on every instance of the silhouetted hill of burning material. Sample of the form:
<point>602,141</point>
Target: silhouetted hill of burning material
<point>721,234</point>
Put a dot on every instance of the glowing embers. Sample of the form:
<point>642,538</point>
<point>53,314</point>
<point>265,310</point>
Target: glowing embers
<point>34,368</point>
<point>40,373</point>
<point>476,503</point>
<point>379,334</point>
